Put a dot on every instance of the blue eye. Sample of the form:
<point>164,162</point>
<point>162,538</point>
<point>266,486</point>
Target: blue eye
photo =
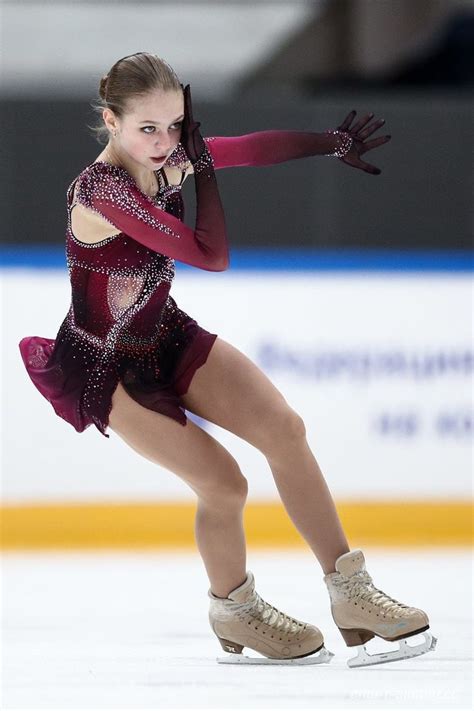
<point>178,124</point>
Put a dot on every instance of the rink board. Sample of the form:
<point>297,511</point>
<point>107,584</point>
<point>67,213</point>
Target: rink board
<point>267,525</point>
<point>378,362</point>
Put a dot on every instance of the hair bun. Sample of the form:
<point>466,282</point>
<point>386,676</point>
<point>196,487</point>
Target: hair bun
<point>103,86</point>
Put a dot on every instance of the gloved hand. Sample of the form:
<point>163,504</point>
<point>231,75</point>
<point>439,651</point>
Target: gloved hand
<point>191,139</point>
<point>358,134</point>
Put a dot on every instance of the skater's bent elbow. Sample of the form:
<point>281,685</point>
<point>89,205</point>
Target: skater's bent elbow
<point>220,263</point>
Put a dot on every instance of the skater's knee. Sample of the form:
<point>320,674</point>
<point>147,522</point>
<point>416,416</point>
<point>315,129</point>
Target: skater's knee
<point>294,425</point>
<point>230,494</point>
<point>228,490</point>
<point>283,428</point>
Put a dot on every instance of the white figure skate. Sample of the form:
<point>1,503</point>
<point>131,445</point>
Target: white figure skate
<point>243,619</point>
<point>361,611</point>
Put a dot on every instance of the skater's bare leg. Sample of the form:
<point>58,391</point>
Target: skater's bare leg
<point>220,539</point>
<point>208,468</point>
<point>308,500</point>
<point>231,391</point>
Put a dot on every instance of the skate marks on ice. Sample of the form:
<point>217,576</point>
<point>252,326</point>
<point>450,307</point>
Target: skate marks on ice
<point>120,631</point>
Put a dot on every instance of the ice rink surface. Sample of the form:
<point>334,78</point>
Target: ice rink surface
<point>130,631</point>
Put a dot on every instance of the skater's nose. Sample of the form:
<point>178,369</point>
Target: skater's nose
<point>163,144</point>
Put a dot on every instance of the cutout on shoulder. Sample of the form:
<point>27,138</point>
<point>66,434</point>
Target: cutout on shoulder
<point>87,225</point>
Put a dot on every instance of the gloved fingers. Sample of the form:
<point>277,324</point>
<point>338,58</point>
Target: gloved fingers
<point>361,123</point>
<point>369,130</point>
<point>368,168</point>
<point>191,124</point>
<point>356,162</point>
<point>196,138</point>
<point>191,139</point>
<point>374,143</point>
<point>347,121</point>
<point>188,109</point>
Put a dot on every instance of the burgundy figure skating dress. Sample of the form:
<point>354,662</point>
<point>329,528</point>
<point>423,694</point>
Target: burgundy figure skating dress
<point>123,324</point>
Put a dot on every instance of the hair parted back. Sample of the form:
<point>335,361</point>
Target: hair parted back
<point>131,76</point>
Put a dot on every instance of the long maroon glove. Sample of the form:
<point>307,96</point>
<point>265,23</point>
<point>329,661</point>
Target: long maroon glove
<point>275,146</point>
<point>210,218</point>
<point>191,139</point>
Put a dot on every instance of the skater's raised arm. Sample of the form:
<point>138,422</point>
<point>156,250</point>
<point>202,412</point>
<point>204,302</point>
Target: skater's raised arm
<point>269,147</point>
<point>276,146</point>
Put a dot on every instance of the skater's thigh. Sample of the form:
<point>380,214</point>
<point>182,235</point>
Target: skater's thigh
<point>231,391</point>
<point>188,451</point>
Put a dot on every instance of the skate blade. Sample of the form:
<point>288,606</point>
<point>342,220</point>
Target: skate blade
<point>324,656</point>
<point>405,651</point>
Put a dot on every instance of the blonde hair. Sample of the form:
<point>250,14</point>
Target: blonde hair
<point>131,76</point>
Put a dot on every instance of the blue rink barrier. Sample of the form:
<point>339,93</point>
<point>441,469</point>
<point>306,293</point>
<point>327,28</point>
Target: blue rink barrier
<point>286,259</point>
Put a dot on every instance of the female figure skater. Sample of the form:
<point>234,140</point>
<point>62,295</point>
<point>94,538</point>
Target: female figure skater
<point>126,357</point>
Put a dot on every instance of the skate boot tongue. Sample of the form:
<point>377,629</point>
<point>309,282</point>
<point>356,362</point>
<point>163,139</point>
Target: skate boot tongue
<point>350,563</point>
<point>244,591</point>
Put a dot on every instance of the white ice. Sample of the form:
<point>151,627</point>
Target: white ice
<point>130,631</point>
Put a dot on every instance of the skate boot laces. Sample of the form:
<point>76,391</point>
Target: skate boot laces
<point>360,585</point>
<point>270,615</point>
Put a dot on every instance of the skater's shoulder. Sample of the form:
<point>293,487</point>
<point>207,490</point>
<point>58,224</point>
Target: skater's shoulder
<point>102,170</point>
<point>100,178</point>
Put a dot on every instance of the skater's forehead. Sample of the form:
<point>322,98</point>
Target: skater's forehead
<point>159,107</point>
<point>157,122</point>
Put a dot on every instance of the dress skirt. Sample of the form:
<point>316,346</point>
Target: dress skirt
<point>156,379</point>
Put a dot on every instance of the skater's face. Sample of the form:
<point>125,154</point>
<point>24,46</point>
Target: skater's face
<point>151,128</point>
